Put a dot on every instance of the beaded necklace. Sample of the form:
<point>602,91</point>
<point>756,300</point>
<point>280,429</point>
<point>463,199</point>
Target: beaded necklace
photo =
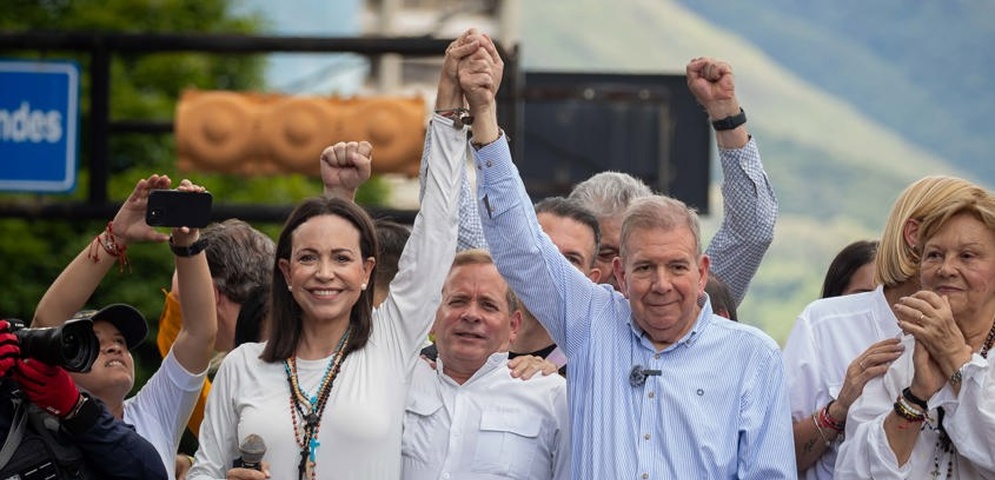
<point>310,407</point>
<point>943,443</point>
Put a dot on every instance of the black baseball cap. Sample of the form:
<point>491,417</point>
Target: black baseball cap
<point>127,319</point>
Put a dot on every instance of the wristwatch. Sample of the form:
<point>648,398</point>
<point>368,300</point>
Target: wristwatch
<point>730,122</point>
<point>187,250</point>
<point>957,376</point>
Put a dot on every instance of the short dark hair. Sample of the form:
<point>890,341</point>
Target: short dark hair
<point>846,263</point>
<point>252,316</point>
<point>719,296</point>
<point>285,314</point>
<point>391,238</point>
<point>572,209</point>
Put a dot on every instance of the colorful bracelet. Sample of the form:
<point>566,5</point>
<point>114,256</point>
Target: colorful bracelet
<point>827,421</point>
<point>108,242</point>
<point>907,412</point>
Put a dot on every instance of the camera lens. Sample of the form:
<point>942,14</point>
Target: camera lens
<point>72,346</point>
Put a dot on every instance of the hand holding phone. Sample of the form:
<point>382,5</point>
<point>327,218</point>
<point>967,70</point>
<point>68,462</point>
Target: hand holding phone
<point>178,208</point>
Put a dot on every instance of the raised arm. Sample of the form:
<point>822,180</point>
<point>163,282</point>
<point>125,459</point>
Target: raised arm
<point>416,290</point>
<point>195,342</point>
<point>70,291</point>
<point>449,103</point>
<point>557,294</point>
<point>344,167</point>
<point>749,204</point>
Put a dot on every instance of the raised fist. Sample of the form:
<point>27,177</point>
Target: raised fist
<point>344,167</point>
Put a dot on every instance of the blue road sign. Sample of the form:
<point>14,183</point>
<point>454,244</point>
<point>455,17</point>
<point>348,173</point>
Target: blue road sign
<point>39,126</point>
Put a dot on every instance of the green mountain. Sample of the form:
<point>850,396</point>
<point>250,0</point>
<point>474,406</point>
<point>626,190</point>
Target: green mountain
<point>920,68</point>
<point>835,168</point>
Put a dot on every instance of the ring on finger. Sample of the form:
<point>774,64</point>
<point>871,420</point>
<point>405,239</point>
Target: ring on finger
<point>921,316</point>
<point>861,363</point>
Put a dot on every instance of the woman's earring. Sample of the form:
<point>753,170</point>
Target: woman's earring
<point>290,288</point>
<point>362,287</point>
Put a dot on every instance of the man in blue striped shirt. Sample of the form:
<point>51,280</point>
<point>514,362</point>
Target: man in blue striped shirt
<point>659,387</point>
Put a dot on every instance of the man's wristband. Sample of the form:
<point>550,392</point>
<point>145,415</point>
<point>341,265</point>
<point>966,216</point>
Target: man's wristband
<point>730,122</point>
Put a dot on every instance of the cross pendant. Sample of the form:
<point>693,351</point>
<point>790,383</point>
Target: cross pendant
<point>313,446</point>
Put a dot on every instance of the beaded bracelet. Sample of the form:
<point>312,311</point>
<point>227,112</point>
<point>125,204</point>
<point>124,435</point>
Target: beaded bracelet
<point>827,421</point>
<point>907,412</point>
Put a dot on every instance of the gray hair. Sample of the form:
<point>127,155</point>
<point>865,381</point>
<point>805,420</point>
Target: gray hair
<point>240,258</point>
<point>659,211</point>
<point>609,193</point>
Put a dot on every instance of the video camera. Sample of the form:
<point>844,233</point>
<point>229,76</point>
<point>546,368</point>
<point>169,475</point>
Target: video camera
<point>72,346</point>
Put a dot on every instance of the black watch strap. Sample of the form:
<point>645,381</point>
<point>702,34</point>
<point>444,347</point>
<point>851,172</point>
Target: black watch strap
<point>187,250</point>
<point>730,122</point>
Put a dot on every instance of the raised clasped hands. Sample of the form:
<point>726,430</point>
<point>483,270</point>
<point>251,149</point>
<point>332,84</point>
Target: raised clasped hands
<point>480,72</point>
<point>940,344</point>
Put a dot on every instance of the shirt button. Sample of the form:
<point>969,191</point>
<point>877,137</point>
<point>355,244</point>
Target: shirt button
<point>656,356</point>
<point>646,475</point>
<point>646,436</point>
<point>651,394</point>
<point>489,163</point>
<point>445,475</point>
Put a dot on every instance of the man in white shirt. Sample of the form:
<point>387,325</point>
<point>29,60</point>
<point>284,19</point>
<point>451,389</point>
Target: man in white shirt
<point>469,418</point>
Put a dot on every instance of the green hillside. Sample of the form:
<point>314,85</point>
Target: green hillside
<point>921,68</point>
<point>835,170</point>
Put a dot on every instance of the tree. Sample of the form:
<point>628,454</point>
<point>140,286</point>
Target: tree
<point>142,87</point>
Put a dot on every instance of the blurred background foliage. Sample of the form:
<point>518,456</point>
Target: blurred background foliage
<point>142,87</point>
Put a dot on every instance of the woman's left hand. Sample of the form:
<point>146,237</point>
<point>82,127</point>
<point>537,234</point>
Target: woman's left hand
<point>927,317</point>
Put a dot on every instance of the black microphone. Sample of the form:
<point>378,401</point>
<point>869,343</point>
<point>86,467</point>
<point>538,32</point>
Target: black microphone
<point>252,449</point>
<point>637,377</point>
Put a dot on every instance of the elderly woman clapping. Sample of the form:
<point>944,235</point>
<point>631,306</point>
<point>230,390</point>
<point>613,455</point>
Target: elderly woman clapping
<point>932,415</point>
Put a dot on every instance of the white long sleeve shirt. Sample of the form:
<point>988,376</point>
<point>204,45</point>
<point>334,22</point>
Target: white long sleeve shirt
<point>969,419</point>
<point>492,426</point>
<point>360,430</point>
<point>827,336</point>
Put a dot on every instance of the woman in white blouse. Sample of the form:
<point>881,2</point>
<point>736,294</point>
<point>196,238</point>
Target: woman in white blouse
<point>932,415</point>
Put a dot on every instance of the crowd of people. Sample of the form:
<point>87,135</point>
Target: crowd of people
<point>306,358</point>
